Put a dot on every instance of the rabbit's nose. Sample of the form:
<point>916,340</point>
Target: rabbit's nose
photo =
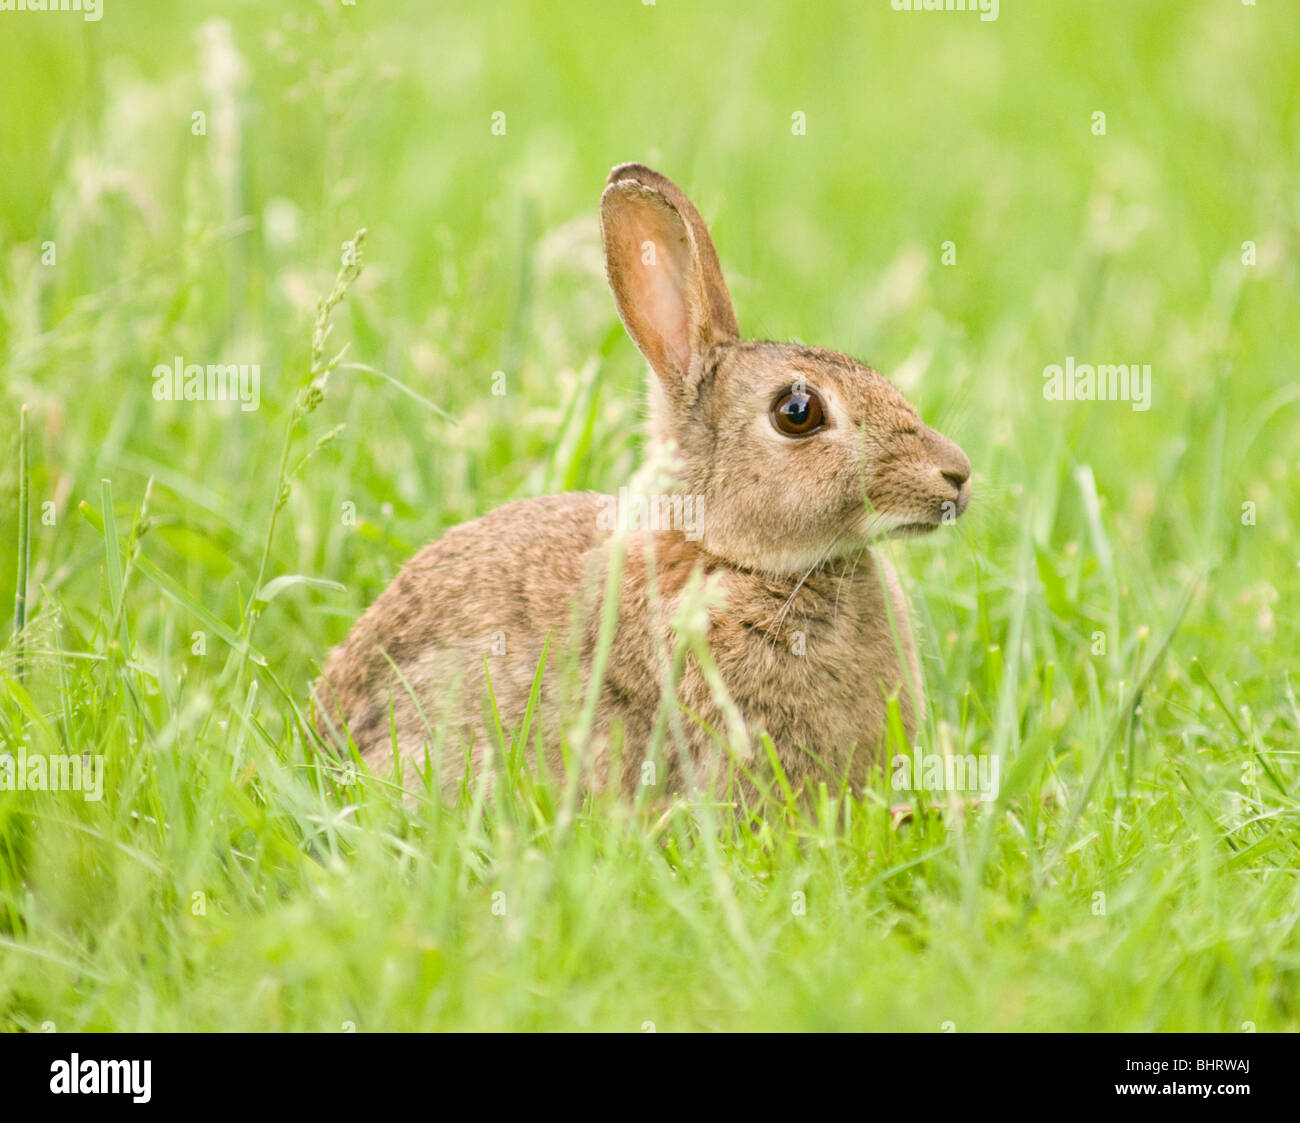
<point>954,465</point>
<point>956,476</point>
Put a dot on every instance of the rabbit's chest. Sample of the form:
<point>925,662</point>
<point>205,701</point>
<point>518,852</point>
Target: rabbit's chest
<point>816,670</point>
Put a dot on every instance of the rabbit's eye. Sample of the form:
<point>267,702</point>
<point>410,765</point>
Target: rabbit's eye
<point>798,412</point>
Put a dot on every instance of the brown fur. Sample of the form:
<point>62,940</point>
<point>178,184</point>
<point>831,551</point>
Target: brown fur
<point>814,637</point>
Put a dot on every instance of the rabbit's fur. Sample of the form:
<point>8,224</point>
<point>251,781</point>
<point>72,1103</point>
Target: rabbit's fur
<point>813,636</point>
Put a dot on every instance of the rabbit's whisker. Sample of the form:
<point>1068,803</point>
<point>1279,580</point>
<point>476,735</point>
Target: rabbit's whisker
<point>776,627</point>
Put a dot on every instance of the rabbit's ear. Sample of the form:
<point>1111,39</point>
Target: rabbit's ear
<point>664,272</point>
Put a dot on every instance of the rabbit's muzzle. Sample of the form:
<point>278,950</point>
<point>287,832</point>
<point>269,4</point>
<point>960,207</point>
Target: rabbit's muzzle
<point>922,483</point>
<point>953,468</point>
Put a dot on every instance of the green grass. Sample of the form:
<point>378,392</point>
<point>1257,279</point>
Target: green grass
<point>1105,619</point>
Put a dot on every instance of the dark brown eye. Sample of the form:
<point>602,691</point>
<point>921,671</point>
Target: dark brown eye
<point>797,412</point>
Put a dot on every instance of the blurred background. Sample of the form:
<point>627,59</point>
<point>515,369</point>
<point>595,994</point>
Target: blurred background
<point>833,148</point>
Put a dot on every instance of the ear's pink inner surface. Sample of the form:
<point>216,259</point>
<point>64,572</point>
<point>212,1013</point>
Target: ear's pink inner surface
<point>658,274</point>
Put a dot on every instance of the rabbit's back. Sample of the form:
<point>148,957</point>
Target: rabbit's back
<point>480,601</point>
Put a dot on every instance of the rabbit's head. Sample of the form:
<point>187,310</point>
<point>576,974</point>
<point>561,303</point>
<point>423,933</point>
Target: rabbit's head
<point>795,455</point>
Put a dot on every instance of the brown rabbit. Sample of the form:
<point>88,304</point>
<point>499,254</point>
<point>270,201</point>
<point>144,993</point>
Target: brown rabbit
<point>796,460</point>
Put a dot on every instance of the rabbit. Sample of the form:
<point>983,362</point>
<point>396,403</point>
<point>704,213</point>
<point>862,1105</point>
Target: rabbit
<point>800,459</point>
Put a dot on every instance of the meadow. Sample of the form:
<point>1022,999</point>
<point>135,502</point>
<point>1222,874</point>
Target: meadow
<point>962,203</point>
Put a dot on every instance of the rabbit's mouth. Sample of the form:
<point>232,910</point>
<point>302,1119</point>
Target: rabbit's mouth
<point>943,512</point>
<point>875,526</point>
<point>915,529</point>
